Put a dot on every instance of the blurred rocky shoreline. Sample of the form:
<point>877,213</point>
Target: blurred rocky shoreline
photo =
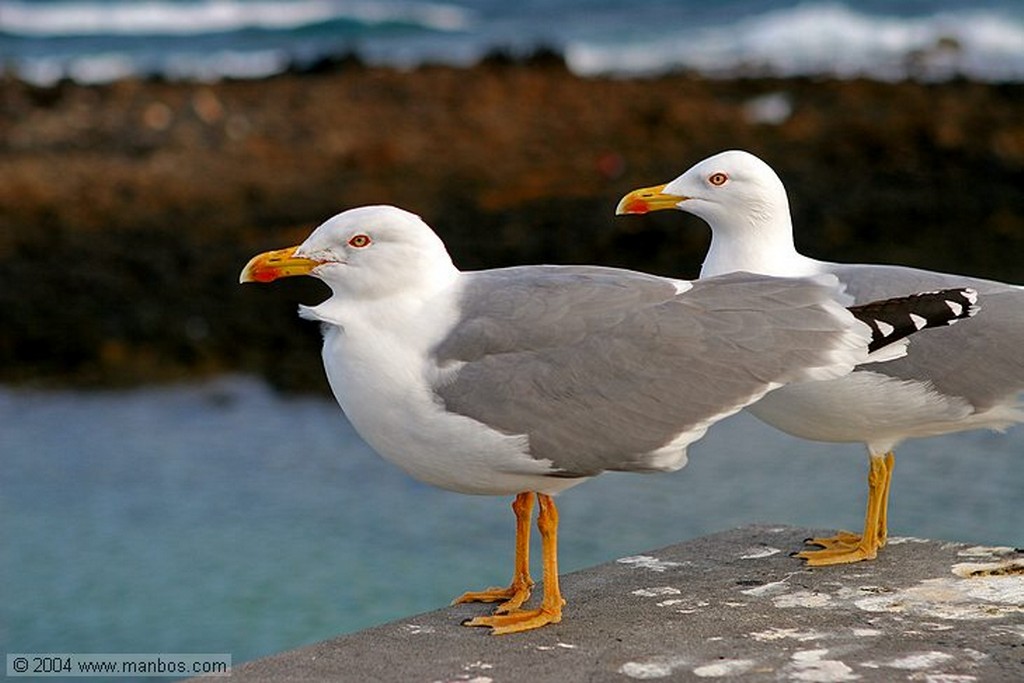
<point>128,209</point>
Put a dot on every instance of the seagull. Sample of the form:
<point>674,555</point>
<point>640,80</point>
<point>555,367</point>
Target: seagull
<point>967,377</point>
<point>529,380</point>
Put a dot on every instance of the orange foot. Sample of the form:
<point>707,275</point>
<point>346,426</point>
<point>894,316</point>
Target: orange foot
<point>841,539</point>
<point>518,592</point>
<point>840,554</point>
<point>521,620</point>
<point>511,598</point>
<point>508,619</point>
<point>846,547</point>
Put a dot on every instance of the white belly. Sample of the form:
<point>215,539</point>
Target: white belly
<point>387,399</point>
<point>865,407</point>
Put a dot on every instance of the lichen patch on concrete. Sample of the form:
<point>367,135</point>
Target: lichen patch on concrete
<point>802,598</point>
<point>970,570</point>
<point>725,667</point>
<point>815,667</point>
<point>757,552</point>
<point>653,668</point>
<point>648,562</point>
<point>656,591</point>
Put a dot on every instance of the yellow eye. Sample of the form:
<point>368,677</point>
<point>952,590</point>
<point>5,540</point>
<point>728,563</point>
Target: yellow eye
<point>359,241</point>
<point>718,179</point>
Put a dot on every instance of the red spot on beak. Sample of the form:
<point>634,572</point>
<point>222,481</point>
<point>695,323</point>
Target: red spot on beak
<point>264,274</point>
<point>636,205</point>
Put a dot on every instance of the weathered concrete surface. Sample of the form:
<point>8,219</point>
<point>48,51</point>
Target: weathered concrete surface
<point>732,605</point>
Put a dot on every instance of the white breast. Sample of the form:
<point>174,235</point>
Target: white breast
<point>379,370</point>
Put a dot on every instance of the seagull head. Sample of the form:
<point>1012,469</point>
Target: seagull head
<point>728,189</point>
<point>367,252</point>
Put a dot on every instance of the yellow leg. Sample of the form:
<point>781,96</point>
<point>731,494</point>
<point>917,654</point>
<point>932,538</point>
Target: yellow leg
<point>518,592</point>
<point>550,610</point>
<point>883,515</point>
<point>846,547</point>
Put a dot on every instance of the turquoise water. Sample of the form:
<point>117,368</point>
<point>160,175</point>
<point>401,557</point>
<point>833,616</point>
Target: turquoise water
<point>222,517</point>
<point>101,40</point>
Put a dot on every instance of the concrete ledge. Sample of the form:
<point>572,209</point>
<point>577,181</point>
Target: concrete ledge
<point>731,605</point>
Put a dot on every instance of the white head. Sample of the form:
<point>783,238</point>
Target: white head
<point>363,253</point>
<point>743,201</point>
<point>727,189</point>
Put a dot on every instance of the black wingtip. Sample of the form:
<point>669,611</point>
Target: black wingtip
<point>893,319</point>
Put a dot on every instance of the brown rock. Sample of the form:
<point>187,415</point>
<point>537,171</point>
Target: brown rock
<point>127,210</point>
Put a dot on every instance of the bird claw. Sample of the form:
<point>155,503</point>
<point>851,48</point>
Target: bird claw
<point>518,621</point>
<point>841,539</point>
<point>839,555</point>
<point>511,598</point>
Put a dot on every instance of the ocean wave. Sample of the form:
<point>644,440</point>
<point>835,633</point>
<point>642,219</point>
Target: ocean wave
<point>823,38</point>
<point>100,40</point>
<point>156,17</point>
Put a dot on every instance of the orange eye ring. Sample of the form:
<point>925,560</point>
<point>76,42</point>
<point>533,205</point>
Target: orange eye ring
<point>718,179</point>
<point>359,241</point>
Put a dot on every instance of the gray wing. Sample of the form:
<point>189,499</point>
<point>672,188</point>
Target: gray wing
<point>980,360</point>
<point>602,368</point>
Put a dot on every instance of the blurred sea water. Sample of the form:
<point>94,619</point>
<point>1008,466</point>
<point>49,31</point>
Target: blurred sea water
<point>100,40</point>
<point>223,517</point>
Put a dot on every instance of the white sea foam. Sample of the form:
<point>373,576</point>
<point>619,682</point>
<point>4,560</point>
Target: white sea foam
<point>97,40</point>
<point>823,38</point>
<point>166,17</point>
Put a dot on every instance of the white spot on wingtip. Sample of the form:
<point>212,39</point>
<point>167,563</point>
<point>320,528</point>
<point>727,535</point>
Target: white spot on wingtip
<point>957,309</point>
<point>885,328</point>
<point>918,321</point>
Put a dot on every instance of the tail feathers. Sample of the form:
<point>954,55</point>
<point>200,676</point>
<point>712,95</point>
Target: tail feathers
<point>893,319</point>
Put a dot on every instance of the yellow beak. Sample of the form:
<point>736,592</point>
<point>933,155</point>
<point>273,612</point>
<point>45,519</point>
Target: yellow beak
<point>271,265</point>
<point>648,199</point>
